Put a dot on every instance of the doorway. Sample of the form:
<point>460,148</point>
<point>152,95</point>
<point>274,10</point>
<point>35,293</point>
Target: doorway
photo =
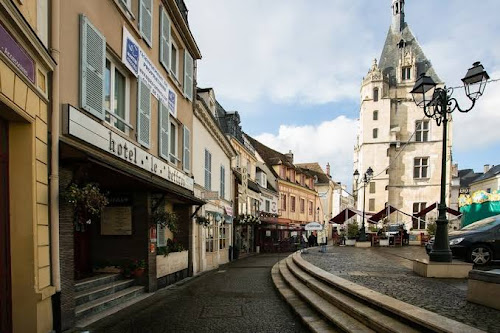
<point>5,281</point>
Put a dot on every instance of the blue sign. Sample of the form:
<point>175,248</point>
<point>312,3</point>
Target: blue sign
<point>132,55</point>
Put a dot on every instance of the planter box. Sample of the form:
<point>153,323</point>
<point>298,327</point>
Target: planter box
<point>350,242</point>
<point>173,262</point>
<point>384,242</point>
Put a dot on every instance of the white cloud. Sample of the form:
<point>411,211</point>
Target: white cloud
<point>331,141</point>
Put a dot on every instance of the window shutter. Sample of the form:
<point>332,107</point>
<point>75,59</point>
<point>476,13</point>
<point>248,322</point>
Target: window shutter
<point>143,113</point>
<point>165,48</point>
<point>164,126</point>
<point>92,66</point>
<point>222,182</point>
<point>188,75</point>
<point>146,20</point>
<point>186,157</point>
<point>207,172</point>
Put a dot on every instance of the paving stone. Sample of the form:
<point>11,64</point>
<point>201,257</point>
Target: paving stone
<point>387,272</point>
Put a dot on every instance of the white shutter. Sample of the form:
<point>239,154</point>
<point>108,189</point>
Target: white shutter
<point>186,159</point>
<point>143,113</point>
<point>163,128</point>
<point>92,66</point>
<point>146,20</point>
<point>165,48</point>
<point>188,75</point>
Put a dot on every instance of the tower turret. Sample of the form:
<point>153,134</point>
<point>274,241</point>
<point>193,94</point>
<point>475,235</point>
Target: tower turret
<point>398,15</point>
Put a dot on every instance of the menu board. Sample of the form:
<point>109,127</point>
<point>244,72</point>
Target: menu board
<point>116,221</point>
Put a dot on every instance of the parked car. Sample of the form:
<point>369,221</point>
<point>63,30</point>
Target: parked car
<point>478,242</point>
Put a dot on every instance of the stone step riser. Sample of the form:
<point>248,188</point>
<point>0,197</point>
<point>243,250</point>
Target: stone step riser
<point>97,281</point>
<point>108,304</point>
<point>111,289</point>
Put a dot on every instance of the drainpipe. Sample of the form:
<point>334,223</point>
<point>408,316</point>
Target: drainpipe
<point>54,155</point>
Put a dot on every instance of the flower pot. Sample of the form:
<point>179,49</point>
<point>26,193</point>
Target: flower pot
<point>350,242</point>
<point>138,272</point>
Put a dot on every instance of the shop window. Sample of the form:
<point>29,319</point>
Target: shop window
<point>422,131</point>
<point>421,167</point>
<point>173,143</point>
<point>419,223</point>
<point>302,206</point>
<point>210,245</point>
<point>222,238</point>
<point>146,21</point>
<point>208,170</point>
<point>116,96</point>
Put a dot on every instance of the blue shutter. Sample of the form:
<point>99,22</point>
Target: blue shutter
<point>188,75</point>
<point>92,67</point>
<point>186,152</point>
<point>143,113</point>
<point>146,20</point>
<point>165,48</point>
<point>163,128</point>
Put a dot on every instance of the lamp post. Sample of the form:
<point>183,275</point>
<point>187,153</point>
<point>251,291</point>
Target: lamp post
<point>437,103</point>
<point>366,179</point>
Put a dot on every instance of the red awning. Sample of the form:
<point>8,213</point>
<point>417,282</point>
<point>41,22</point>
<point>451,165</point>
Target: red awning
<point>383,213</point>
<point>348,213</point>
<point>434,206</point>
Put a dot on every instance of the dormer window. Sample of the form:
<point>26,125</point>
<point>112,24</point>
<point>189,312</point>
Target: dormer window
<point>406,73</point>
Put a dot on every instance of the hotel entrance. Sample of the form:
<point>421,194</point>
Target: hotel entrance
<point>5,288</point>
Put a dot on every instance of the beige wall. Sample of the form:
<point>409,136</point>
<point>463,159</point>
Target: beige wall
<point>300,193</point>
<point>491,183</point>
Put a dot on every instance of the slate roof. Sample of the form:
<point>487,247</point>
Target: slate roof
<point>467,176</point>
<point>270,156</point>
<point>494,171</point>
<point>389,59</point>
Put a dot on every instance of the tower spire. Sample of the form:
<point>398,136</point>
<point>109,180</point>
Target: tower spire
<point>398,15</point>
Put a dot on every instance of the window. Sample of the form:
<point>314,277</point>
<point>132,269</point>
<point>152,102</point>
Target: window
<point>165,38</point>
<point>302,206</point>
<point>173,142</point>
<point>421,167</point>
<point>422,131</point>
<point>248,168</point>
<point>375,115</point>
<point>222,237</point>
<point>146,20</point>
<point>406,73</point>
<point>116,93</point>
<point>174,59</point>
<point>188,75</point>
<point>292,203</point>
<point>418,223</point>
<point>302,180</point>
<point>126,3</point>
<point>210,234</point>
<point>222,182</point>
<point>268,206</point>
<point>310,207</point>
<point>208,170</point>
<point>375,95</point>
<point>372,187</point>
<point>371,205</point>
<point>283,202</point>
<point>186,151</point>
<point>292,175</point>
<point>283,172</point>
<point>375,133</point>
<point>143,114</point>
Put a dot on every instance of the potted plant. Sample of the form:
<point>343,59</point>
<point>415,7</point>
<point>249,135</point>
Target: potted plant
<point>352,232</point>
<point>88,203</point>
<point>140,267</point>
<point>202,220</point>
<point>384,240</point>
<point>165,219</point>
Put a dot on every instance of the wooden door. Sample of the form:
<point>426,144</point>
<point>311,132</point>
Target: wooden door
<point>5,283</point>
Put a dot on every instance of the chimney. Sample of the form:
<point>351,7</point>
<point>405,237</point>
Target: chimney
<point>328,170</point>
<point>487,168</point>
<point>289,156</point>
<point>454,170</point>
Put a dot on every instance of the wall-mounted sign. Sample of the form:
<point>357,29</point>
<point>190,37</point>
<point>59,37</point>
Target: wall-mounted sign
<point>210,195</point>
<point>16,54</point>
<point>116,221</point>
<point>138,62</point>
<point>314,226</point>
<point>83,127</point>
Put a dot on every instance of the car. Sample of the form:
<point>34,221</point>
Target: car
<point>478,242</point>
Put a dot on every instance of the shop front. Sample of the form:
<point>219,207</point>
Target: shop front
<point>280,235</point>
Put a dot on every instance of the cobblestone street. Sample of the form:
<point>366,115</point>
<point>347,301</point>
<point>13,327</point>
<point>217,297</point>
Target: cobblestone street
<point>238,297</point>
<point>389,271</point>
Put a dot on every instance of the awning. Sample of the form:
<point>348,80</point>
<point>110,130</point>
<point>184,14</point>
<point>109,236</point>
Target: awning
<point>348,213</point>
<point>434,206</point>
<point>383,213</point>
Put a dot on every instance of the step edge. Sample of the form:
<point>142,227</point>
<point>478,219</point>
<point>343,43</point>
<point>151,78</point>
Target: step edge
<point>100,301</point>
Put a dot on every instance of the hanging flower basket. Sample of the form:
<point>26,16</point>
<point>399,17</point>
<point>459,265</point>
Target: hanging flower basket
<point>202,220</point>
<point>248,219</point>
<point>165,219</point>
<point>88,203</point>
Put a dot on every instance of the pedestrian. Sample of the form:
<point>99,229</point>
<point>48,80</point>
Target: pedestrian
<point>335,236</point>
<point>311,240</point>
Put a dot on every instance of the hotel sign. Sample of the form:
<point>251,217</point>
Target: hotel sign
<point>16,54</point>
<point>90,131</point>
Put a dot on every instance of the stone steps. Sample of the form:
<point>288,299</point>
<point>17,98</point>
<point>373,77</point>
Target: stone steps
<point>345,306</point>
<point>95,281</point>
<point>99,291</point>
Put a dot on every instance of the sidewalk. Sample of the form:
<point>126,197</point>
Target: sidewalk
<point>389,271</point>
<point>238,297</point>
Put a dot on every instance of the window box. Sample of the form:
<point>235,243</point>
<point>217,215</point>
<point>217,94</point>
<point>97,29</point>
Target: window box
<point>171,263</point>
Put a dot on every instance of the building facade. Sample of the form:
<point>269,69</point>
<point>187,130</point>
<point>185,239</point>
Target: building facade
<point>212,156</point>
<point>395,139</point>
<point>128,69</point>
<point>27,284</point>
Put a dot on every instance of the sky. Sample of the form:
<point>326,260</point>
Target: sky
<point>293,69</point>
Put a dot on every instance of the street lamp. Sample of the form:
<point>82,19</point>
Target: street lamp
<point>437,104</point>
<point>366,179</point>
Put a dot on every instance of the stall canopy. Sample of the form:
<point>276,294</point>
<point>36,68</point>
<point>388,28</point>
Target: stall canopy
<point>434,206</point>
<point>383,213</point>
<point>348,213</point>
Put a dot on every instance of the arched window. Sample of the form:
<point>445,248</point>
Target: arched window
<point>375,94</point>
<point>375,115</point>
